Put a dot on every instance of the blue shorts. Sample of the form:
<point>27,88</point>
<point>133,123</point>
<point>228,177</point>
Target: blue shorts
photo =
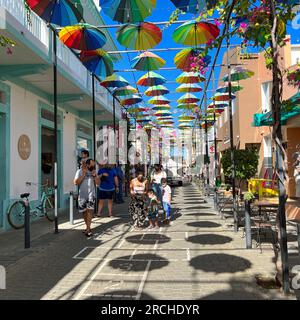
<point>167,209</point>
<point>103,195</point>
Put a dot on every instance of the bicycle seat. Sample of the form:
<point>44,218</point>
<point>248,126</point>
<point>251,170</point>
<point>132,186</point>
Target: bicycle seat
<point>24,195</point>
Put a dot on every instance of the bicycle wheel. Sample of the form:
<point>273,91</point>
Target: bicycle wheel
<point>49,209</point>
<point>16,215</point>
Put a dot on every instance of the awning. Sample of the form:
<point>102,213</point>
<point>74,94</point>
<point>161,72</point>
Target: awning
<point>266,119</point>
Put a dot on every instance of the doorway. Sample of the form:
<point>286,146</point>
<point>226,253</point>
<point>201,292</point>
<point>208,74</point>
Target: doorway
<point>3,166</point>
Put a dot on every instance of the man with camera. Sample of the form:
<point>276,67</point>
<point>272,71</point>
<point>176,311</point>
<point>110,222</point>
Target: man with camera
<point>86,179</point>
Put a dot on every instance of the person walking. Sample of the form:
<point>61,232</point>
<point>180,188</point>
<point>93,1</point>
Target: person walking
<point>167,198</point>
<point>87,180</point>
<point>153,210</point>
<point>108,185</point>
<point>156,176</point>
<point>120,175</point>
<point>137,207</point>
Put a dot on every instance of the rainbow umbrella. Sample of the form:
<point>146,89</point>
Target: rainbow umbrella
<point>188,106</point>
<point>151,79</point>
<point>130,100</point>
<point>125,11</point>
<point>141,36</point>
<point>223,97</point>
<point>190,77</point>
<point>59,12</point>
<point>185,125</point>
<point>156,91</point>
<point>194,33</point>
<point>124,91</point>
<point>234,87</point>
<point>82,36</point>
<point>217,110</point>
<point>184,59</point>
<point>147,61</point>
<point>194,6</point>
<point>164,107</point>
<point>135,110</point>
<point>218,104</point>
<point>163,113</point>
<point>98,62</point>
<point>188,98</point>
<point>159,100</point>
<point>189,87</point>
<point>239,73</point>
<point>114,81</point>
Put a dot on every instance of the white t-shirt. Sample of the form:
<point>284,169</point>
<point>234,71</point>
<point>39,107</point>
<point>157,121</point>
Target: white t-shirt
<point>166,192</point>
<point>158,176</point>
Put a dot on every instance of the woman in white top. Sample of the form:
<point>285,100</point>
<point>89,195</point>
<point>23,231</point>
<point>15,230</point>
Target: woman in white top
<point>156,176</point>
<point>137,206</point>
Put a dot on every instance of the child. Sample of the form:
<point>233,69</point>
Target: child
<point>167,197</point>
<point>153,209</point>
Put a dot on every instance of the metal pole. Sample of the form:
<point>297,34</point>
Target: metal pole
<point>55,133</point>
<point>232,148</point>
<point>248,225</point>
<point>71,207</point>
<point>216,151</point>
<point>298,237</point>
<point>94,117</point>
<point>27,225</point>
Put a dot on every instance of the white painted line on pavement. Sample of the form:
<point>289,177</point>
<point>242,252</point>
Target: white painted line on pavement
<point>88,283</point>
<point>156,245</point>
<point>188,254</point>
<point>142,284</point>
<point>186,236</point>
<point>120,244</point>
<point>80,252</point>
<point>133,253</point>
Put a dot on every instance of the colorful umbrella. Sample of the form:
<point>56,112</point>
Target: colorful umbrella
<point>223,97</point>
<point>135,110</point>
<point>189,87</point>
<point>185,125</point>
<point>59,12</point>
<point>188,106</point>
<point>239,73</point>
<point>194,33</point>
<point>142,36</point>
<point>164,107</point>
<point>128,101</point>
<point>82,37</point>
<point>218,104</point>
<point>147,61</point>
<point>98,62</point>
<point>114,81</point>
<point>125,11</point>
<point>151,79</point>
<point>217,110</point>
<point>163,113</point>
<point>185,59</point>
<point>159,100</point>
<point>194,6</point>
<point>124,91</point>
<point>156,91</point>
<point>188,98</point>
<point>190,77</point>
<point>234,87</point>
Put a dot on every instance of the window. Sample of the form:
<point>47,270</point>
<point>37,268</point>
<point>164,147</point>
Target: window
<point>49,115</point>
<point>267,152</point>
<point>2,97</point>
<point>84,129</point>
<point>266,97</point>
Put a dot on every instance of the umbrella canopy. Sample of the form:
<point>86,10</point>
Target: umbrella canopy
<point>147,61</point>
<point>193,33</point>
<point>239,73</point>
<point>184,59</point>
<point>141,36</point>
<point>185,125</point>
<point>59,12</point>
<point>188,106</point>
<point>188,98</point>
<point>98,62</point>
<point>223,97</point>
<point>130,100</point>
<point>218,104</point>
<point>235,87</point>
<point>163,113</point>
<point>156,91</point>
<point>190,77</point>
<point>124,91</point>
<point>125,11</point>
<point>194,6</point>
<point>82,36</point>
<point>163,107</point>
<point>135,110</point>
<point>114,81</point>
<point>151,79</point>
<point>217,110</point>
<point>189,87</point>
<point>159,100</point>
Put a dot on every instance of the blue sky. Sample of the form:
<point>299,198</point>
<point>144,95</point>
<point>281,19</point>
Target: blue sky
<point>162,12</point>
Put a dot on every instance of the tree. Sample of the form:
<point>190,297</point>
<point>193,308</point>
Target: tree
<point>246,162</point>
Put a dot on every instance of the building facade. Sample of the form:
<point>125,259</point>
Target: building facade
<point>26,106</point>
<point>254,99</point>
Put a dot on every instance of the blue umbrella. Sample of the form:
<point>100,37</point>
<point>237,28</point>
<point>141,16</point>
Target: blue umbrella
<point>194,6</point>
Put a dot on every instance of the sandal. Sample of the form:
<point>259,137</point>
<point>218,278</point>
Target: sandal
<point>89,234</point>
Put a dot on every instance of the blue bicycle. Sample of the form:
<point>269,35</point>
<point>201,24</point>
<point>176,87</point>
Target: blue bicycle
<point>16,211</point>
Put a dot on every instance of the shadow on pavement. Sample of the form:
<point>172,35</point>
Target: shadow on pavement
<point>203,224</point>
<point>150,238</point>
<point>220,263</point>
<point>120,295</point>
<point>210,239</point>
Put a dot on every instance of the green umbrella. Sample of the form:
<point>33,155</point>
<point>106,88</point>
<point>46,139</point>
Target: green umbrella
<point>235,87</point>
<point>159,100</point>
<point>156,91</point>
<point>124,91</point>
<point>239,73</point>
<point>151,79</point>
<point>148,61</point>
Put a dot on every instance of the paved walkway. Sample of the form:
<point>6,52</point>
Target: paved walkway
<point>197,257</point>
